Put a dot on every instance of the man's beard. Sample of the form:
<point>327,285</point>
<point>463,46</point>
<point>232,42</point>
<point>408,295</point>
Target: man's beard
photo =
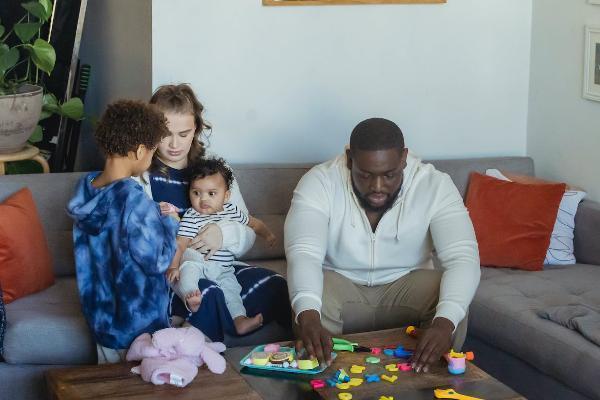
<point>364,202</point>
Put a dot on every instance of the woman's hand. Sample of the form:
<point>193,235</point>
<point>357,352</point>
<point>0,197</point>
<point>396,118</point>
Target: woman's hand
<point>209,240</point>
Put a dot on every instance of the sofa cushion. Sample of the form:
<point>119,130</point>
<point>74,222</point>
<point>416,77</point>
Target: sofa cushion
<point>561,250</point>
<point>48,328</point>
<point>513,221</point>
<point>277,265</point>
<point>24,254</point>
<point>2,323</point>
<point>504,314</point>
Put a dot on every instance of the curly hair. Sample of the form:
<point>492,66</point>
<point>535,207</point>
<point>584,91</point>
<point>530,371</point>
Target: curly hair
<point>181,99</point>
<point>210,166</point>
<point>127,124</point>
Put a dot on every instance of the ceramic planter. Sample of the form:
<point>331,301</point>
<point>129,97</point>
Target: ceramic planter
<point>19,115</point>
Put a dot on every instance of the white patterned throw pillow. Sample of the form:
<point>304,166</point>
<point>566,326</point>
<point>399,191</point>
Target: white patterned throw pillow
<point>561,249</point>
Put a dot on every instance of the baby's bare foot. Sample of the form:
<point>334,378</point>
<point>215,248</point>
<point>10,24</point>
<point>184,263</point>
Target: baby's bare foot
<point>245,325</point>
<point>193,300</point>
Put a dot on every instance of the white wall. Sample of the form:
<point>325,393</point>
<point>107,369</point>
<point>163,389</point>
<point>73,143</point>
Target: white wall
<point>117,43</point>
<point>288,84</point>
<point>564,128</point>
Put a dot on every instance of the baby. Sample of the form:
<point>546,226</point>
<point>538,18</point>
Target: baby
<point>210,183</point>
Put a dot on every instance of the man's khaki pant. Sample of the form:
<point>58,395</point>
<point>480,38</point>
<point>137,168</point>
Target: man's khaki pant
<point>411,300</point>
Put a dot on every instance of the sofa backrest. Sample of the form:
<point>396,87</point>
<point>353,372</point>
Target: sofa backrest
<point>267,191</point>
<point>51,193</point>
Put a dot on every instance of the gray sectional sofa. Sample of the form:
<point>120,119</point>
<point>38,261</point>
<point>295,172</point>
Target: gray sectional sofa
<point>538,358</point>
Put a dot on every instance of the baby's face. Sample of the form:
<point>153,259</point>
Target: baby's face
<point>208,194</point>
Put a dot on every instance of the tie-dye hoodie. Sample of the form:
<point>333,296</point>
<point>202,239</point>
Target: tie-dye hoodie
<point>123,246</point>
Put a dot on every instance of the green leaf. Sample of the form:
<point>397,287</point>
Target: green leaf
<point>37,135</point>
<point>26,31</point>
<point>72,109</point>
<point>49,99</point>
<point>38,10</point>
<point>51,109</point>
<point>8,59</point>
<point>47,4</point>
<point>49,106</point>
<point>1,30</point>
<point>45,114</point>
<point>43,55</point>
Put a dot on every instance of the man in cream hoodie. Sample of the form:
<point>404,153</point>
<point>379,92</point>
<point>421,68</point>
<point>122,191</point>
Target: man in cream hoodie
<point>359,238</point>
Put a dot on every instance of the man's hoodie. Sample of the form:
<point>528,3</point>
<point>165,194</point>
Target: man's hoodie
<point>122,248</point>
<point>326,228</point>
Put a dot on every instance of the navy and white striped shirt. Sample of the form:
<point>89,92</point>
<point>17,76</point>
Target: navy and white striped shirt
<point>192,222</point>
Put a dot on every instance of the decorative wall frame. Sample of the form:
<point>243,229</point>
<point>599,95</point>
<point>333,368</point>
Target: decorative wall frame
<point>591,74</point>
<point>346,2</point>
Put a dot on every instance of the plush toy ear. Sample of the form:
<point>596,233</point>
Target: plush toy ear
<point>214,361</point>
<point>141,347</point>
<point>217,346</point>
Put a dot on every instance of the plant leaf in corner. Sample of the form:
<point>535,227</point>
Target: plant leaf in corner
<point>43,55</point>
<point>25,31</point>
<point>49,106</point>
<point>37,135</point>
<point>72,109</point>
<point>38,10</point>
<point>9,58</point>
<point>47,4</point>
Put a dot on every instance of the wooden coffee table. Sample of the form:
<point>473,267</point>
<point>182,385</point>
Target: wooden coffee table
<point>116,380</point>
<point>110,381</point>
<point>408,386</point>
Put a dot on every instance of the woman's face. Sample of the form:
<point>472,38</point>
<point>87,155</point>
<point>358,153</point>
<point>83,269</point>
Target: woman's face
<point>173,150</point>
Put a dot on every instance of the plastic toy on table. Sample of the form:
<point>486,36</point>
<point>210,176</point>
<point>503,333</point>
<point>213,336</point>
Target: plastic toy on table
<point>412,331</point>
<point>457,362</point>
<point>452,394</point>
<point>346,345</point>
<point>284,359</point>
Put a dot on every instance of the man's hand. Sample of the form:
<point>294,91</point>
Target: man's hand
<point>209,240</point>
<point>433,344</point>
<point>313,337</point>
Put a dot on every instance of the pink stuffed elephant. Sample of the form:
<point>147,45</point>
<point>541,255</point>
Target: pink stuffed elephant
<point>173,355</point>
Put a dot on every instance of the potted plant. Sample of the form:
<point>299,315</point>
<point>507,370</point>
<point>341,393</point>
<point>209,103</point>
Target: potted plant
<point>23,100</point>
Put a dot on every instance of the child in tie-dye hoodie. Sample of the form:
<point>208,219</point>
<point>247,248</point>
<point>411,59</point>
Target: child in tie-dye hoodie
<point>123,245</point>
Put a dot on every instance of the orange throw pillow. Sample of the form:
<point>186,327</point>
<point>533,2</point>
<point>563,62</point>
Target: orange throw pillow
<point>25,261</point>
<point>513,221</point>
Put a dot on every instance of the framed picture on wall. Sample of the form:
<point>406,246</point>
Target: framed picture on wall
<point>591,82</point>
<point>346,2</point>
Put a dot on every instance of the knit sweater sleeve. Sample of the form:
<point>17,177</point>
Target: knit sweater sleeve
<point>456,246</point>
<point>305,240</point>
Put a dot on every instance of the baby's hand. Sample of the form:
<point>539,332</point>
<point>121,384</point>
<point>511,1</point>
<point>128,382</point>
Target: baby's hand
<point>271,239</point>
<point>168,208</point>
<point>173,274</point>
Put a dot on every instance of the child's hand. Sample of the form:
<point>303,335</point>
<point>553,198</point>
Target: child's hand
<point>168,208</point>
<point>173,274</point>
